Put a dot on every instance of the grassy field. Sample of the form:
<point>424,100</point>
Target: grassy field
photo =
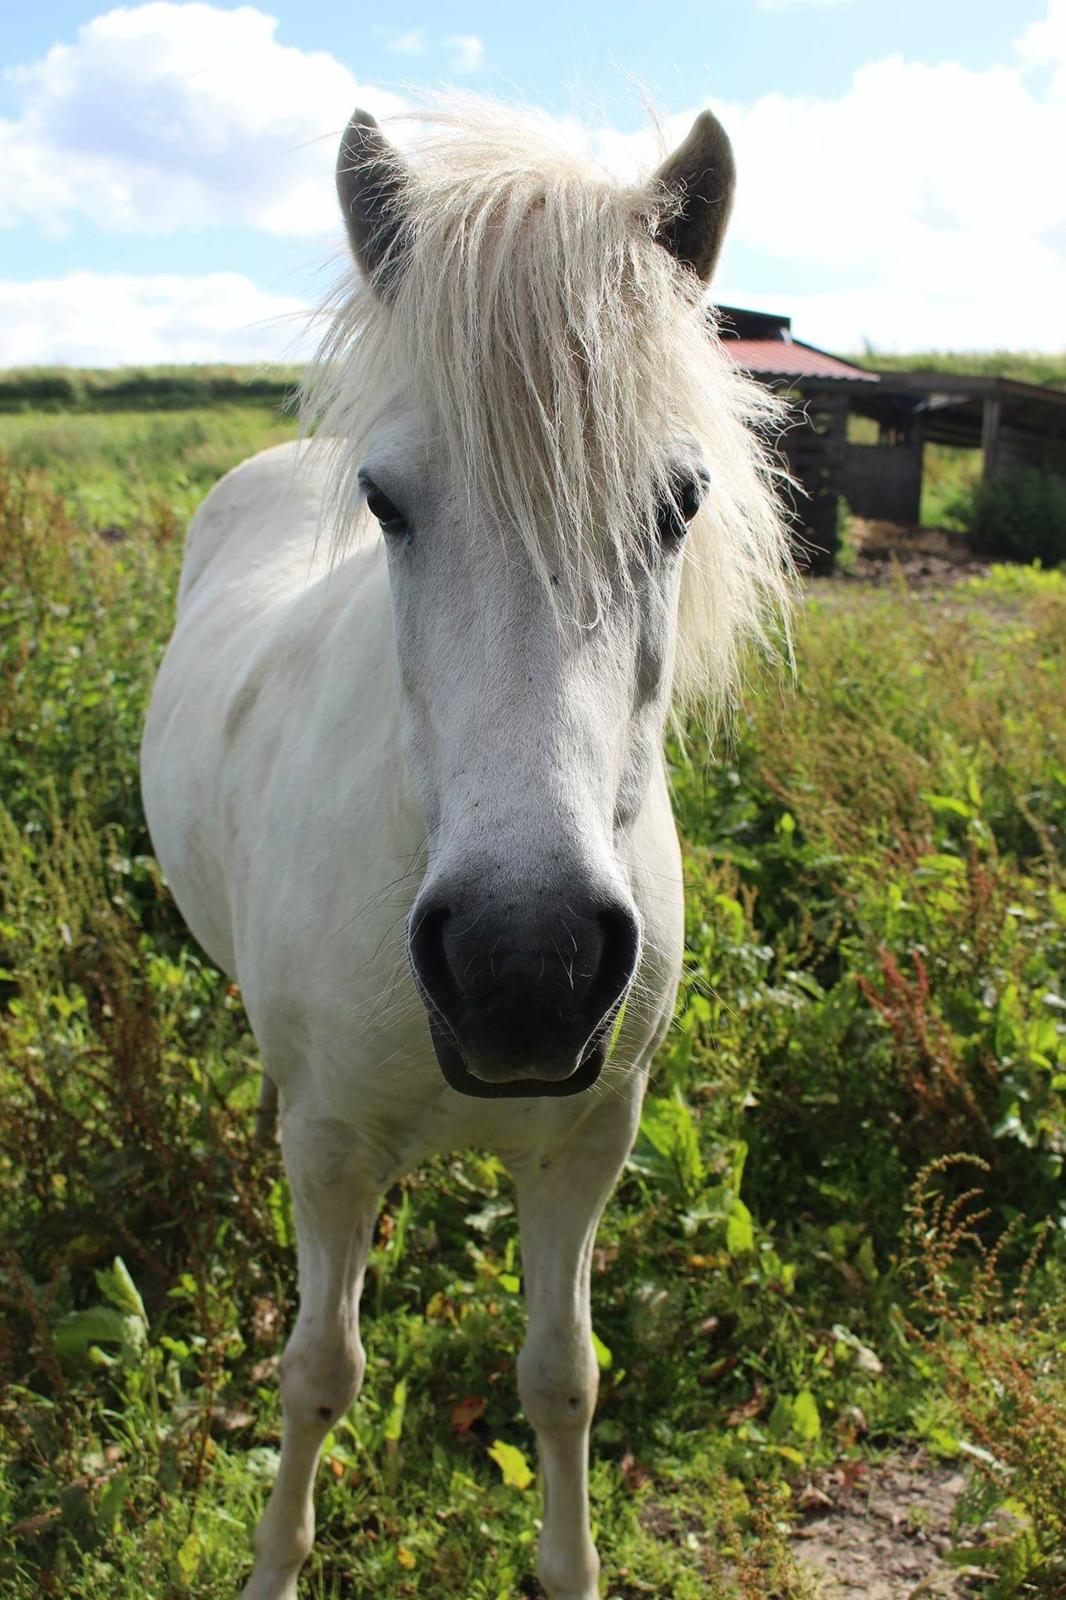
<point>1026,366</point>
<point>83,389</point>
<point>791,1275</point>
<point>69,419</point>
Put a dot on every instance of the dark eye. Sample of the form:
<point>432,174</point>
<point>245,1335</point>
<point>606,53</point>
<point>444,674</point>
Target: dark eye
<point>379,505</point>
<point>679,503</point>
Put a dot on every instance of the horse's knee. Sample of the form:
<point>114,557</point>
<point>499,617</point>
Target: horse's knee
<point>282,1543</point>
<point>557,1387</point>
<point>570,1577</point>
<point>319,1380</point>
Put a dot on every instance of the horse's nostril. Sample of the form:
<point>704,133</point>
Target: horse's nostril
<point>429,954</point>
<point>587,954</point>
<point>619,948</point>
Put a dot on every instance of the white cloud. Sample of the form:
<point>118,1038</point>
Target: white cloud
<point>1044,44</point>
<point>928,193</point>
<point>911,156</point>
<point>921,185</point>
<point>167,116</point>
<point>920,190</point>
<point>466,50</point>
<point>411,43</point>
<point>894,318</point>
<point>104,319</point>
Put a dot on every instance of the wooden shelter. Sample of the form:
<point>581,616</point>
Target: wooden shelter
<point>1014,425</point>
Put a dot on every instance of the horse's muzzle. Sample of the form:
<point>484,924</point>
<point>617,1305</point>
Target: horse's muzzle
<point>521,1007</point>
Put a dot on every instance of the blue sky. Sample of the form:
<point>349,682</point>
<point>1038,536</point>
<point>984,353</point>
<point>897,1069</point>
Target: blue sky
<point>165,168</point>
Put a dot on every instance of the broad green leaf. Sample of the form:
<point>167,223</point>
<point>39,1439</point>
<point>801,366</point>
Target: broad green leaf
<point>513,1465</point>
<point>739,1232</point>
<point>866,1261</point>
<point>780,1421</point>
<point>943,865</point>
<point>113,1498</point>
<point>190,1554</point>
<point>943,1443</point>
<point>604,1358</point>
<point>669,1128</point>
<point>740,1156</point>
<point>78,1331</point>
<point>806,1419</point>
<point>279,1205</point>
<point>616,1029</point>
<point>119,1289</point>
<point>394,1421</point>
<point>947,802</point>
<point>733,914</point>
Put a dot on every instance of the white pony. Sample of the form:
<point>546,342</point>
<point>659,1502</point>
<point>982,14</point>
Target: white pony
<point>408,789</point>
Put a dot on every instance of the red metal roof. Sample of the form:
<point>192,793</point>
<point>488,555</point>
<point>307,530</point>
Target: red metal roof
<point>790,358</point>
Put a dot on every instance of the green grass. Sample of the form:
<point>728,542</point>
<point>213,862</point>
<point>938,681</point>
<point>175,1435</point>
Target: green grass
<point>876,918</point>
<point>143,388</point>
<point>32,390</point>
<point>1027,366</point>
<point>138,468</point>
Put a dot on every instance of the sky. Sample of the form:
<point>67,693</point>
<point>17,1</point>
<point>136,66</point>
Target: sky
<point>166,189</point>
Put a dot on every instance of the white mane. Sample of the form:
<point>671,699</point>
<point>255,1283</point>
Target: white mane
<point>564,356</point>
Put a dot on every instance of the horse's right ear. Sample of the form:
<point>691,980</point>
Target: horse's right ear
<point>371,180</point>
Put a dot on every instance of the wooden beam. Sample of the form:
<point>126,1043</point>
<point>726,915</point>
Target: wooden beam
<point>990,416</point>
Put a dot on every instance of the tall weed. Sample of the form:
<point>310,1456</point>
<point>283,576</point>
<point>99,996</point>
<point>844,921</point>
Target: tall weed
<point>998,1350</point>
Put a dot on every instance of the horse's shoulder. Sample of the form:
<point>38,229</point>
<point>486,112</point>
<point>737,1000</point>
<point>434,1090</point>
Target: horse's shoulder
<point>283,474</point>
<point>264,501</point>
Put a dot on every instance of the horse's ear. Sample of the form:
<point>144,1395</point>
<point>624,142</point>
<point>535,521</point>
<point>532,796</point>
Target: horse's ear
<point>700,177</point>
<point>371,180</point>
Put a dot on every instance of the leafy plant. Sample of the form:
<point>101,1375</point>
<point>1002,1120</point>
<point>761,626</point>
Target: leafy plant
<point>1021,517</point>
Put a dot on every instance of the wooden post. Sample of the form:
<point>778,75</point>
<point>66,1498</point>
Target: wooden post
<point>990,416</point>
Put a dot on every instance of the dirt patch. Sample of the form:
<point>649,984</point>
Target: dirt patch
<point>926,557</point>
<point>880,1531</point>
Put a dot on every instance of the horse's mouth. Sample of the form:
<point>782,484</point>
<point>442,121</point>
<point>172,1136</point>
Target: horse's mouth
<point>458,1075</point>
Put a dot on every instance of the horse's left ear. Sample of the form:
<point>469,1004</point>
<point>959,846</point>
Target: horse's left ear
<point>371,180</point>
<point>701,177</point>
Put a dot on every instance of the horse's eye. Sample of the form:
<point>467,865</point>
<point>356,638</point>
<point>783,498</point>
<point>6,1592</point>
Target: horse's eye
<point>379,505</point>
<point>679,504</point>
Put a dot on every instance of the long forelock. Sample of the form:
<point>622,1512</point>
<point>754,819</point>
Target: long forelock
<point>565,360</point>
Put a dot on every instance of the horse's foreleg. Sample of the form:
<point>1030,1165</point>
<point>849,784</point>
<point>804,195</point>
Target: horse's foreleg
<point>322,1368</point>
<point>560,1203</point>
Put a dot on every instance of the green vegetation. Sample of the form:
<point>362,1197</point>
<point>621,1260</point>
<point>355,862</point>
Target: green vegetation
<point>167,388</point>
<point>143,388</point>
<point>875,982</point>
<point>950,476</point>
<point>1026,366</point>
<point>129,469</point>
<point>1022,518</point>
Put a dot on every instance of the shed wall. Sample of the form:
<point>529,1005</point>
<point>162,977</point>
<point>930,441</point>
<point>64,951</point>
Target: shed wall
<point>883,481</point>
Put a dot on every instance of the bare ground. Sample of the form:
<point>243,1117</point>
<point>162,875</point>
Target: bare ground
<point>925,557</point>
<point>879,1531</point>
